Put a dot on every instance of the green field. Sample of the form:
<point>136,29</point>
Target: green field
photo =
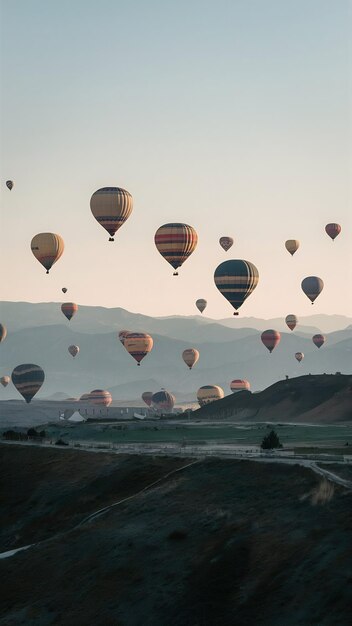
<point>241,435</point>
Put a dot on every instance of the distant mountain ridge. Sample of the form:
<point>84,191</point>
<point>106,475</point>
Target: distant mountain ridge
<point>39,333</point>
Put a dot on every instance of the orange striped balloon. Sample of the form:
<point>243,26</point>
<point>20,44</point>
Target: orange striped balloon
<point>47,249</point>
<point>138,345</point>
<point>209,393</point>
<point>176,242</point>
<point>270,339</point>
<point>111,207</point>
<point>190,357</point>
<point>69,309</point>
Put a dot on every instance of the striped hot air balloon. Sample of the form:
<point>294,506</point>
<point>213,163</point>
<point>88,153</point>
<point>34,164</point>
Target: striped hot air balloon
<point>3,332</point>
<point>28,379</point>
<point>176,242</point>
<point>319,340</point>
<point>270,339</point>
<point>190,357</point>
<point>147,397</point>
<point>291,321</point>
<point>226,243</point>
<point>85,397</point>
<point>122,334</point>
<point>163,401</point>
<point>111,207</point>
<point>4,380</point>
<point>9,184</point>
<point>47,249</point>
<point>333,230</point>
<point>138,345</point>
<point>100,397</point>
<point>73,350</point>
<point>239,385</point>
<point>299,356</point>
<point>201,304</point>
<point>209,393</point>
<point>236,280</point>
<point>69,309</point>
<point>312,286</point>
<point>292,246</point>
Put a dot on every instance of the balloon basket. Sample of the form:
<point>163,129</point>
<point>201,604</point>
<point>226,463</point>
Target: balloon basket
<point>236,313</point>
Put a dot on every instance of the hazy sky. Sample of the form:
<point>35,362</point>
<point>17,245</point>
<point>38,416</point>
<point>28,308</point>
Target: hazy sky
<point>232,116</point>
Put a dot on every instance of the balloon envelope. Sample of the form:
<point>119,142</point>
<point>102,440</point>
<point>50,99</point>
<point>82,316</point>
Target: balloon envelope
<point>318,340</point>
<point>100,397</point>
<point>111,207</point>
<point>299,356</point>
<point>64,289</point>
<point>201,304</point>
<point>176,242</point>
<point>9,184</point>
<point>47,249</point>
<point>138,345</point>
<point>312,286</point>
<point>28,379</point>
<point>147,397</point>
<point>333,230</point>
<point>236,280</point>
<point>3,332</point>
<point>226,243</point>
<point>69,309</point>
<point>270,339</point>
<point>163,401</point>
<point>292,245</point>
<point>122,334</point>
<point>73,350</point>
<point>291,321</point>
<point>239,385</point>
<point>209,393</point>
<point>4,380</point>
<point>190,357</point>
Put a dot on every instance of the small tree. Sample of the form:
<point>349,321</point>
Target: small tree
<point>271,441</point>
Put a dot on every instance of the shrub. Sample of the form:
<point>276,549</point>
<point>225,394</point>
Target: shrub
<point>271,441</point>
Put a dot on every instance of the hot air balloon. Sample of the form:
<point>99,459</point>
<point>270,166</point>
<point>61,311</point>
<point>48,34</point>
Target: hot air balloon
<point>201,304</point>
<point>147,397</point>
<point>333,230</point>
<point>73,350</point>
<point>111,207</point>
<point>318,340</point>
<point>239,385</point>
<point>312,287</point>
<point>292,246</point>
<point>28,379</point>
<point>3,332</point>
<point>176,242</point>
<point>190,357</point>
<point>138,345</point>
<point>64,289</point>
<point>100,397</point>
<point>47,249</point>
<point>226,243</point>
<point>9,184</point>
<point>291,321</point>
<point>236,280</point>
<point>270,339</point>
<point>163,401</point>
<point>4,380</point>
<point>209,393</point>
<point>122,334</point>
<point>299,356</point>
<point>69,309</point>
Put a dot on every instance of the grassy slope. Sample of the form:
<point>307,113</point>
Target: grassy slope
<point>224,542</point>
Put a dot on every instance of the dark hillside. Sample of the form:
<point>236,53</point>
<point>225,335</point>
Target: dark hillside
<point>269,544</point>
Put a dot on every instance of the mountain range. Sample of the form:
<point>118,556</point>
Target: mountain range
<point>39,333</point>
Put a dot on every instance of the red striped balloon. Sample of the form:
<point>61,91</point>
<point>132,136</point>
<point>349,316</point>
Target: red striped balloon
<point>291,321</point>
<point>111,207</point>
<point>239,385</point>
<point>100,397</point>
<point>138,345</point>
<point>176,242</point>
<point>270,339</point>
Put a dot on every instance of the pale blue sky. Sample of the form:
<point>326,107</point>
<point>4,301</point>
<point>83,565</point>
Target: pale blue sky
<point>231,116</point>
